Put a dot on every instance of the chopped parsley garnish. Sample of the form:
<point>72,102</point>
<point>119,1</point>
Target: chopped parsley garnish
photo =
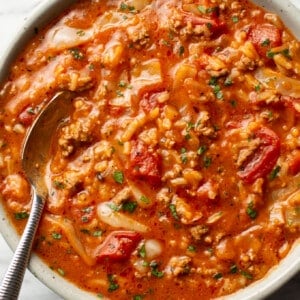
<point>145,199</point>
<point>274,173</point>
<point>201,150</point>
<point>113,285</point>
<point>218,276</point>
<point>125,6</point>
<point>207,161</point>
<point>76,53</point>
<point>183,156</point>
<point>181,50</point>
<point>217,91</point>
<point>119,93</point>
<point>80,33</point>
<point>172,208</point>
<point>228,81</point>
<point>118,177</point>
<point>61,272</point>
<point>59,184</point>
<point>251,212</point>
<point>265,43</point>
<point>284,52</point>
<point>235,19</point>
<point>192,248</point>
<point>257,88</point>
<point>246,274</point>
<point>142,251</point>
<point>233,103</point>
<point>137,297</point>
<point>213,80</point>
<point>21,215</point>
<point>56,235</point>
<point>233,269</point>
<point>129,206</point>
<point>154,270</point>
<point>97,233</point>
<point>122,84</point>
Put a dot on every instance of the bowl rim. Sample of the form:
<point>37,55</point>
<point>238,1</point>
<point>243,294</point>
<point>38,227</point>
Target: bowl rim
<point>45,12</point>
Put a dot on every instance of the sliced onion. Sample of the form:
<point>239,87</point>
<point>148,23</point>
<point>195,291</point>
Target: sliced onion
<point>117,219</point>
<point>276,81</point>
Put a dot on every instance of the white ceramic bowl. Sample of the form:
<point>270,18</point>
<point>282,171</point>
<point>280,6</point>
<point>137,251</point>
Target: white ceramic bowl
<point>276,277</point>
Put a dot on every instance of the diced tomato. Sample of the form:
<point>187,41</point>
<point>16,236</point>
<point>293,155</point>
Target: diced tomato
<point>264,158</point>
<point>27,116</point>
<point>294,164</point>
<point>144,164</point>
<point>213,23</point>
<point>264,37</point>
<point>118,246</point>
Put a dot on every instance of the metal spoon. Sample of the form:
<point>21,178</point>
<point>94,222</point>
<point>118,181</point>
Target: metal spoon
<point>35,155</point>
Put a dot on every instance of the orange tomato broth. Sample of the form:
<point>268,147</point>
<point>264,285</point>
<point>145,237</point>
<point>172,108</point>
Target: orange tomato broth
<point>178,171</point>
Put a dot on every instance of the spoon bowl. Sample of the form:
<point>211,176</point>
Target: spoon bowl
<point>35,156</point>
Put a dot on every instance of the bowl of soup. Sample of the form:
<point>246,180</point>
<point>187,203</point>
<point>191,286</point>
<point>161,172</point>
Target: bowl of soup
<point>178,171</point>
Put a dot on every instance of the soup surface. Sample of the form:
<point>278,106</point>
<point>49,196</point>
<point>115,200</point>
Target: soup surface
<point>178,170</point>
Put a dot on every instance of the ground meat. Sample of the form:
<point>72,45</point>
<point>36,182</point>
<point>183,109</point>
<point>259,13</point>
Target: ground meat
<point>179,265</point>
<point>198,231</point>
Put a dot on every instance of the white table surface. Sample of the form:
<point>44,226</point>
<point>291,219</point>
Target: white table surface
<point>12,14</point>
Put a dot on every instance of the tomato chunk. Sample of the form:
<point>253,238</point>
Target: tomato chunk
<point>264,37</point>
<point>264,158</point>
<point>144,164</point>
<point>27,116</point>
<point>118,246</point>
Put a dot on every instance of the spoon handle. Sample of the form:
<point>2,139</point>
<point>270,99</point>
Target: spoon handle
<point>12,281</point>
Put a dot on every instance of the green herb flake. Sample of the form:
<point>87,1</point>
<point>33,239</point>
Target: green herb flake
<point>172,208</point>
<point>274,173</point>
<point>207,161</point>
<point>246,274</point>
<point>286,53</point>
<point>270,54</point>
<point>97,233</point>
<point>192,248</point>
<point>202,149</point>
<point>21,215</point>
<point>61,272</point>
<point>233,269</point>
<point>145,199</point>
<point>235,19</point>
<point>56,235</point>
<point>228,81</point>
<point>119,93</point>
<point>129,206</point>
<point>142,251</point>
<point>100,296</point>
<point>113,206</point>
<point>122,84</point>
<point>113,285</point>
<point>266,43</point>
<point>118,177</point>
<point>181,50</point>
<point>251,212</point>
<point>257,88</point>
<point>213,81</point>
<point>58,184</point>
<point>137,297</point>
<point>77,54</point>
<point>80,33</point>
<point>154,270</point>
<point>218,276</point>
<point>233,103</point>
<point>202,9</point>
